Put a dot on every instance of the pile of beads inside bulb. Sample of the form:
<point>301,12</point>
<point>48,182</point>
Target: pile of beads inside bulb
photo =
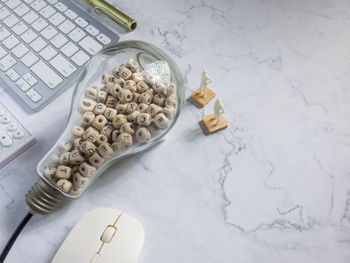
<point>130,106</point>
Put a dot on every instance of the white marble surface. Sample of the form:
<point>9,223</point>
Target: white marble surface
<point>273,187</point>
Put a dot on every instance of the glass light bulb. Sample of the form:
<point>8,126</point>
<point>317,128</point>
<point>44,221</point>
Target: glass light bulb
<point>156,68</point>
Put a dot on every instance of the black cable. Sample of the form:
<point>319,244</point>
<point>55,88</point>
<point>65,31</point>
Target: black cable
<point>14,236</point>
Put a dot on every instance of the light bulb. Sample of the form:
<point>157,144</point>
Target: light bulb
<point>94,139</point>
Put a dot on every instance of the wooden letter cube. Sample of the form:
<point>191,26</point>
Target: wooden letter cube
<point>124,95</point>
<point>63,172</point>
<point>64,185</point>
<point>105,150</point>
<point>161,121</point>
<point>86,105</point>
<point>119,120</point>
<point>127,128</point>
<point>96,160</point>
<point>88,118</point>
<point>124,141</point>
<point>99,108</point>
<point>144,119</point>
<point>86,169</point>
<point>79,180</point>
<point>88,148</point>
<point>76,157</point>
<point>99,122</point>
<point>130,85</point>
<point>142,134</point>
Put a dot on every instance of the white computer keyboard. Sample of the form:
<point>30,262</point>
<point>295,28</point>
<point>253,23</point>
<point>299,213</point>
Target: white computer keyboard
<point>44,44</point>
<point>14,138</point>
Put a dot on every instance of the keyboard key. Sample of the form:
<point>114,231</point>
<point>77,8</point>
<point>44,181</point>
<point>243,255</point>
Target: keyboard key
<point>39,24</point>
<point>49,32</point>
<point>24,86</point>
<point>46,74</point>
<point>81,22</point>
<point>57,19</point>
<point>90,45</point>
<point>29,59</point>
<point>48,53</point>
<point>12,4</point>
<point>5,119</point>
<point>47,11</point>
<point>29,36</point>
<point>71,14</point>
<point>4,12</point>
<point>22,10</point>
<point>19,28</point>
<point>3,52</point>
<point>5,139</point>
<point>92,30</point>
<point>61,7</point>
<point>77,34</point>
<point>10,42</point>
<point>34,96</point>
<point>30,17</point>
<point>38,5</point>
<point>29,1</point>
<point>11,20</point>
<point>29,78</point>
<point>52,2</point>
<point>20,50</point>
<point>20,133</point>
<point>7,62</point>
<point>66,26</point>
<point>38,44</point>
<point>80,58</point>
<point>63,66</point>
<point>12,126</point>
<point>12,74</point>
<point>59,40</point>
<point>103,39</point>
<point>69,49</point>
<point>4,33</point>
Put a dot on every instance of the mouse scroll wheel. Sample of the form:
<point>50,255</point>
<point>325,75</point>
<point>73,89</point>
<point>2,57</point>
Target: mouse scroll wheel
<point>108,234</point>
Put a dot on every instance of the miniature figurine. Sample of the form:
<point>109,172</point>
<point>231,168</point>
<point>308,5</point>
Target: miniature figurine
<point>205,80</point>
<point>218,110</point>
<point>203,94</point>
<point>216,121</point>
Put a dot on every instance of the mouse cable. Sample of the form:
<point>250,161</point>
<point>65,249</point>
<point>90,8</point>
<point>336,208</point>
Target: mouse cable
<point>14,236</point>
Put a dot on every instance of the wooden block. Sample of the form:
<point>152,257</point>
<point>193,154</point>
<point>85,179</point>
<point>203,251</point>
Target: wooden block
<point>210,123</point>
<point>201,101</point>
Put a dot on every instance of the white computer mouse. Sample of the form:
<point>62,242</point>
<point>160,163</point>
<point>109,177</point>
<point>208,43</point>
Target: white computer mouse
<point>103,235</point>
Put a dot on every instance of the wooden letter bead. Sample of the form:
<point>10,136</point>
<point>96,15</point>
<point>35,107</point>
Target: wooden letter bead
<point>99,122</point>
<point>101,94</point>
<point>115,134</point>
<point>79,180</point>
<point>119,120</point>
<point>171,101</point>
<point>135,96</point>
<point>91,93</point>
<point>145,97</point>
<point>115,89</point>
<point>169,89</point>
<point>149,79</point>
<point>76,157</point>
<point>106,78</point>
<point>63,172</point>
<point>154,130</point>
<point>75,169</point>
<point>142,86</point>
<point>169,112</point>
<point>153,110</point>
<point>64,147</point>
<point>101,139</point>
<point>90,134</point>
<point>107,131</point>
<point>75,190</point>
<point>87,119</point>
<point>142,107</point>
<point>124,95</point>
<point>110,113</point>
<point>158,87</point>
<point>130,85</point>
<point>111,101</point>
<point>88,148</point>
<point>86,169</point>
<point>124,141</point>
<point>125,73</point>
<point>96,160</point>
<point>77,142</point>
<point>64,185</point>
<point>64,159</point>
<point>131,107</point>
<point>132,117</point>
<point>161,121</point>
<point>121,107</point>
<point>105,150</point>
<point>142,134</point>
<point>144,119</point>
<point>115,72</point>
<point>86,105</point>
<point>116,148</point>
<point>137,77</point>
<point>120,81</point>
<point>99,108</point>
<point>50,174</point>
<point>109,85</point>
<point>77,131</point>
<point>159,99</point>
<point>132,65</point>
<point>54,160</point>
<point>127,128</point>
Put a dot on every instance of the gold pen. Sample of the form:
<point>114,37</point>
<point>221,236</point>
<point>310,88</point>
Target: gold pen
<point>115,14</point>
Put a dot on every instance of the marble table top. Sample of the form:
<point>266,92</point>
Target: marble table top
<point>273,187</point>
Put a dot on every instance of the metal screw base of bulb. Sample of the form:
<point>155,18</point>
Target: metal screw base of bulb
<point>42,198</point>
